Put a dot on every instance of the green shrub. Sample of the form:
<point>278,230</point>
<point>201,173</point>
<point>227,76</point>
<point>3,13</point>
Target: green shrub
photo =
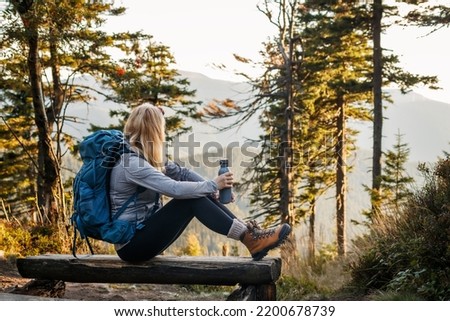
<point>320,278</point>
<point>25,240</point>
<point>22,241</point>
<point>294,289</point>
<point>409,251</point>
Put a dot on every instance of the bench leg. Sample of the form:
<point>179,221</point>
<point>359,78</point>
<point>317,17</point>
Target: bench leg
<point>259,292</point>
<point>266,292</point>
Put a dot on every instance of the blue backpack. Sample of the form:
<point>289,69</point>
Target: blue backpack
<point>92,211</point>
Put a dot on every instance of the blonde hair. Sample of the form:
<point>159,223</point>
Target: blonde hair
<point>145,131</point>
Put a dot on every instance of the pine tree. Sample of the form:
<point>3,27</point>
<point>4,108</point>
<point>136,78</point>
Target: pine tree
<point>45,40</point>
<point>272,178</point>
<point>46,47</point>
<point>339,64</point>
<point>395,180</point>
<point>327,82</point>
<point>147,75</point>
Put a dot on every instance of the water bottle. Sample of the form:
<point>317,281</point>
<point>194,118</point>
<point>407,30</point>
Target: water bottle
<point>224,193</point>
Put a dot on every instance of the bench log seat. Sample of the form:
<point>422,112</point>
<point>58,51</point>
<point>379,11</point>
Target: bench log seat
<point>256,278</point>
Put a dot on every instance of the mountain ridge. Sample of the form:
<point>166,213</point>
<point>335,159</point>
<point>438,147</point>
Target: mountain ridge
<point>422,122</point>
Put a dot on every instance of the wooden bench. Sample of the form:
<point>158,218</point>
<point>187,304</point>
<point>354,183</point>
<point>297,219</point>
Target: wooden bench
<point>255,278</point>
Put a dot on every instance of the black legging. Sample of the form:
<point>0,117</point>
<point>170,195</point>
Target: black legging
<point>166,225</point>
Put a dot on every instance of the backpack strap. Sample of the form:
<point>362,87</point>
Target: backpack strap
<point>157,204</point>
<point>131,199</point>
<point>74,245</point>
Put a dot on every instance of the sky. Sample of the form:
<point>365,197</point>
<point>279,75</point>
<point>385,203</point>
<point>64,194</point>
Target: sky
<point>205,33</point>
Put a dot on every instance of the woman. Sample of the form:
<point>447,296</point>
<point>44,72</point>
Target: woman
<point>190,194</point>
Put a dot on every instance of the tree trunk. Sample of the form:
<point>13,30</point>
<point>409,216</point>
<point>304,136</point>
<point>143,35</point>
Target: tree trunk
<point>312,232</point>
<point>377,97</point>
<point>341,173</point>
<point>286,201</point>
<point>49,176</point>
<point>289,250</point>
<point>287,43</point>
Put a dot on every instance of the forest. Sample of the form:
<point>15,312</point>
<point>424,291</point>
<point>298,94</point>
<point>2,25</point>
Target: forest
<point>324,69</point>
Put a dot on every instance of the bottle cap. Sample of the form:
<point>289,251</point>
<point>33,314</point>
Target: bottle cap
<point>223,162</point>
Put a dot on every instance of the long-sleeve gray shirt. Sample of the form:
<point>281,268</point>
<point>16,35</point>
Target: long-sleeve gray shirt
<point>132,171</point>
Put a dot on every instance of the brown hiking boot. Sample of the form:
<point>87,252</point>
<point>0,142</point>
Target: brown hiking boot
<point>260,241</point>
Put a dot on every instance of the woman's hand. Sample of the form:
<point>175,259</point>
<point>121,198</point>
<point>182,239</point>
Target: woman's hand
<point>224,181</point>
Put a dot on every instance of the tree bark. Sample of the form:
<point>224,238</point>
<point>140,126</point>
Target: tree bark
<point>377,97</point>
<point>341,173</point>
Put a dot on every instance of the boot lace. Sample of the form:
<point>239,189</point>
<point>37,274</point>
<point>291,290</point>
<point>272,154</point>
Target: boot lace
<point>253,225</point>
<point>257,232</point>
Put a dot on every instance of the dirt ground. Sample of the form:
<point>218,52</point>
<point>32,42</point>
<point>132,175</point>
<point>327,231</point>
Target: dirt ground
<point>12,283</point>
